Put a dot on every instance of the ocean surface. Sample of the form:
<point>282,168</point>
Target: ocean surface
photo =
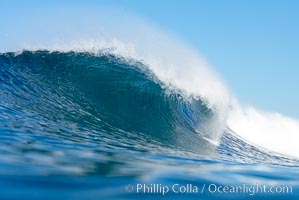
<point>78,125</point>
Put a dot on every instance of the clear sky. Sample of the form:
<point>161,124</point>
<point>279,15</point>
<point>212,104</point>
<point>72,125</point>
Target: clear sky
<point>252,44</point>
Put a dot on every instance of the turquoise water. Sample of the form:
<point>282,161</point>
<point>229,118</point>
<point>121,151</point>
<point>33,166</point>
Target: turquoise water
<point>85,126</point>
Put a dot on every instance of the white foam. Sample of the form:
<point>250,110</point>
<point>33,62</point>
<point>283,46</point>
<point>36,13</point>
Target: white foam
<point>271,131</point>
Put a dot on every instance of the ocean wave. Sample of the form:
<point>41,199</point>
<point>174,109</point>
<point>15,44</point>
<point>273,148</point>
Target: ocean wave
<point>62,94</point>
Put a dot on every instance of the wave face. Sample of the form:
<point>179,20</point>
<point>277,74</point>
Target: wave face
<point>77,113</point>
<point>103,91</point>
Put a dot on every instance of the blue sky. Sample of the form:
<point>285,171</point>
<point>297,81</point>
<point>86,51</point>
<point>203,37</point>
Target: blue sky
<point>253,45</point>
